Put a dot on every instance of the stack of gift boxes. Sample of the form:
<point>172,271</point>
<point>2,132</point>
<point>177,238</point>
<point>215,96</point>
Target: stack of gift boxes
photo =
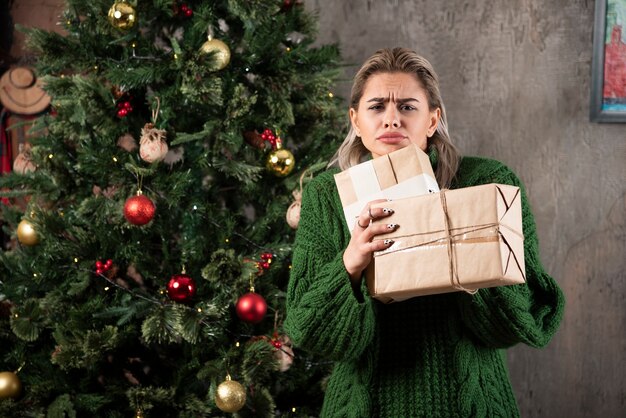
<point>448,240</point>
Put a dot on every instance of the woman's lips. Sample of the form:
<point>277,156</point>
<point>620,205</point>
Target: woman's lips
<point>391,138</point>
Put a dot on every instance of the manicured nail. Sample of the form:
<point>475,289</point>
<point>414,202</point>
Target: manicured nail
<point>388,242</point>
<point>392,226</point>
<point>389,200</point>
<point>387,210</point>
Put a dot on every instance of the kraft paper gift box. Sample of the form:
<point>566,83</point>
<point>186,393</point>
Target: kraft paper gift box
<point>462,239</point>
<point>403,173</point>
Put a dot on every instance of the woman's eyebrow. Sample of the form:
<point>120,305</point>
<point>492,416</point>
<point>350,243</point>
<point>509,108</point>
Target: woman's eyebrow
<point>386,99</point>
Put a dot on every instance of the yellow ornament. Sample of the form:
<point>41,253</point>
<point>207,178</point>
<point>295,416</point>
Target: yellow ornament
<point>230,395</point>
<point>10,385</point>
<point>122,15</point>
<point>280,161</point>
<point>220,51</point>
<point>26,233</point>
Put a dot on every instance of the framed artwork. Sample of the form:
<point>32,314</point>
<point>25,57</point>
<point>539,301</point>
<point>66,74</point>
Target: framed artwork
<point>608,70</point>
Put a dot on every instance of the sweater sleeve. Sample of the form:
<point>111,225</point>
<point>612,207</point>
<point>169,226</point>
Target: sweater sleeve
<point>324,314</point>
<point>530,313</point>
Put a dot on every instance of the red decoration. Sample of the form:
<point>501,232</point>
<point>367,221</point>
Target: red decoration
<point>265,263</point>
<point>186,10</point>
<point>139,210</point>
<point>181,288</point>
<point>251,307</point>
<point>102,267</point>
<point>124,107</point>
<point>270,137</point>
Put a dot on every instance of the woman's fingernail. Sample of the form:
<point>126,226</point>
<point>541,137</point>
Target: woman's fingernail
<point>392,226</point>
<point>387,210</point>
<point>388,242</point>
<point>389,200</point>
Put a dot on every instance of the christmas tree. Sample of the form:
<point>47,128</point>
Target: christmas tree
<point>150,253</point>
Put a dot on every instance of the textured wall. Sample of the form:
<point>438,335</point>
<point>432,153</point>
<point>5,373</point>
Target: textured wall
<point>515,78</point>
<point>34,13</point>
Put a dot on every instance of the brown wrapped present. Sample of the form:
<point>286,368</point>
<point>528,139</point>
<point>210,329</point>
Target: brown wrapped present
<point>399,174</point>
<point>462,239</point>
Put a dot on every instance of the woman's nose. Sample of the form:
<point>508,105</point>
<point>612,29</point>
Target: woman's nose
<point>391,118</point>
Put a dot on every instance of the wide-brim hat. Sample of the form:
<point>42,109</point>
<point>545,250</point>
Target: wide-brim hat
<point>21,92</point>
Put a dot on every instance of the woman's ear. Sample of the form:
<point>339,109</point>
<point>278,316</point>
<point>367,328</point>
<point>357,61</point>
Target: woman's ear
<point>354,121</point>
<point>435,115</point>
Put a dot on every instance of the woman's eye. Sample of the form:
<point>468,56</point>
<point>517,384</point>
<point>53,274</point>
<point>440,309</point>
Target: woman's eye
<point>407,107</point>
<point>376,107</point>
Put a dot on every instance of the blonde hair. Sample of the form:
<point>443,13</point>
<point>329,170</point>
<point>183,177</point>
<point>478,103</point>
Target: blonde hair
<point>352,151</point>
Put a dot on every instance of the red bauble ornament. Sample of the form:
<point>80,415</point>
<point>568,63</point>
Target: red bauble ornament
<point>139,210</point>
<point>251,307</point>
<point>181,288</point>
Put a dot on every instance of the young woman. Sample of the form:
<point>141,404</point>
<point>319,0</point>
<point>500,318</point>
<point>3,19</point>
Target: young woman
<point>430,356</point>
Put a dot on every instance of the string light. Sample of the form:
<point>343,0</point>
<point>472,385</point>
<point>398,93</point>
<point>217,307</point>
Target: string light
<point>227,240</point>
<point>115,158</point>
<point>293,409</point>
<point>106,288</point>
<point>330,94</point>
<point>237,344</point>
<point>34,274</point>
<point>75,259</point>
<point>199,309</point>
<point>50,156</point>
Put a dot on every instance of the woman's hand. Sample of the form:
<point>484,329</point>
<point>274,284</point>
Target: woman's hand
<point>358,254</point>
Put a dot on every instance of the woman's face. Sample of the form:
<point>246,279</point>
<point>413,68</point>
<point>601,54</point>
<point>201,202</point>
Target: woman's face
<point>393,113</point>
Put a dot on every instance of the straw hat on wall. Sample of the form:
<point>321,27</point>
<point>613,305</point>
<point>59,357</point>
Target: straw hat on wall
<point>21,92</point>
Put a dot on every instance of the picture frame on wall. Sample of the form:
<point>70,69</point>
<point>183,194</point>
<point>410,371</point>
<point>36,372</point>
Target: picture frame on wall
<point>608,70</point>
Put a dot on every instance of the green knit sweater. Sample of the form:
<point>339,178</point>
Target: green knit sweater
<point>430,356</point>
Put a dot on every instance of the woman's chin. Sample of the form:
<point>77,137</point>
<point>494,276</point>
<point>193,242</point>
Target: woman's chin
<point>384,149</point>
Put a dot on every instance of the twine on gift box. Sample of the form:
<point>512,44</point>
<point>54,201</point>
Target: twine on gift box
<point>454,277</point>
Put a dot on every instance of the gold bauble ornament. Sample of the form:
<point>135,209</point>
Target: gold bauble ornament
<point>10,385</point>
<point>220,51</point>
<point>280,161</point>
<point>26,233</point>
<point>230,395</point>
<point>122,15</point>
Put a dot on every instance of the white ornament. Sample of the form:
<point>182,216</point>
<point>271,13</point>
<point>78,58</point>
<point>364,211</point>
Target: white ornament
<point>23,163</point>
<point>293,214</point>
<point>152,145</point>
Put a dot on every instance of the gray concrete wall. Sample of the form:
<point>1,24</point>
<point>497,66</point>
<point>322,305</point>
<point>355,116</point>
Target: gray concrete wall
<point>515,78</point>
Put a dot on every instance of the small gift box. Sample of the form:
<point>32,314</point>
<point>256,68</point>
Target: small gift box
<point>403,173</point>
<point>462,239</point>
